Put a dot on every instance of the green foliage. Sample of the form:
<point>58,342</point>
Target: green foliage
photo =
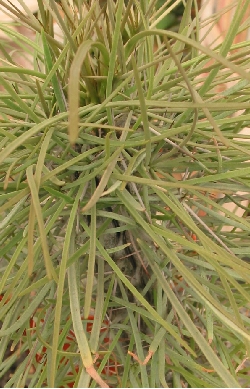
<point>112,118</point>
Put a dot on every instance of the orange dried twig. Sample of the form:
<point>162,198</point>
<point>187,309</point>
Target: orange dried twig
<point>146,360</point>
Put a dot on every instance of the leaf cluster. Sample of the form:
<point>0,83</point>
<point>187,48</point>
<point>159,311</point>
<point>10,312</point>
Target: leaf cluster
<point>113,119</point>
